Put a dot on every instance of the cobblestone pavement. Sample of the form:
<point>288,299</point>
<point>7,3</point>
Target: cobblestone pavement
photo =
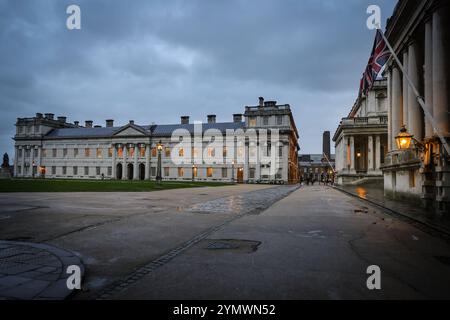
<point>244,203</point>
<point>34,271</point>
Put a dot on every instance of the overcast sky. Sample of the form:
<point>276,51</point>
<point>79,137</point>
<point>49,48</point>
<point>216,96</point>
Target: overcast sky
<point>153,61</point>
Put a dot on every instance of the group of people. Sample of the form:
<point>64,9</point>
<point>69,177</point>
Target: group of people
<point>325,179</point>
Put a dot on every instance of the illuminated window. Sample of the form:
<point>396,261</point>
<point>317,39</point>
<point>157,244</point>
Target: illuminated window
<point>110,152</point>
<point>211,152</point>
<point>209,172</point>
<point>224,151</point>
<point>167,152</point>
<point>180,172</point>
<point>252,122</point>
<point>131,151</point>
<point>99,153</point>
<point>195,171</point>
<point>120,152</point>
<point>142,151</point>
<point>195,152</point>
<point>87,152</point>
<point>154,152</point>
<point>181,153</point>
<point>166,172</point>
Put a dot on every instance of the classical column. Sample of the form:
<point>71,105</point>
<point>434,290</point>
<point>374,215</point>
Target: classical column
<point>16,160</point>
<point>405,87</point>
<point>246,162</point>
<point>258,161</point>
<point>352,154</point>
<point>428,83</point>
<point>124,165</point>
<point>135,162</point>
<point>23,161</point>
<point>415,114</point>
<point>113,162</point>
<point>440,72</point>
<point>370,162</point>
<point>147,161</point>
<point>344,148</point>
<point>389,102</point>
<point>377,153</point>
<point>32,161</point>
<point>397,108</point>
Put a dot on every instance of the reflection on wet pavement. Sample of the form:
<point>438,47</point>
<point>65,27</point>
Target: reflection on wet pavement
<point>245,202</point>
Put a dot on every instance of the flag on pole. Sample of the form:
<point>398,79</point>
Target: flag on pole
<point>379,56</point>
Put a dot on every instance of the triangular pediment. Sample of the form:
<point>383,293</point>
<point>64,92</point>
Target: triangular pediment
<point>130,130</point>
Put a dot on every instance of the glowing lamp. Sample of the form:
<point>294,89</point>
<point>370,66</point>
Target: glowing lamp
<point>403,139</point>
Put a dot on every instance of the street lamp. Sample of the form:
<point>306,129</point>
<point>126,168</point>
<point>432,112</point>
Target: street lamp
<point>158,169</point>
<point>403,139</point>
<point>193,172</point>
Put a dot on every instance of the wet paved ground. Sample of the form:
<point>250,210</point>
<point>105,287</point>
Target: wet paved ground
<point>314,244</point>
<point>232,242</point>
<point>375,193</point>
<point>119,233</point>
<point>34,271</point>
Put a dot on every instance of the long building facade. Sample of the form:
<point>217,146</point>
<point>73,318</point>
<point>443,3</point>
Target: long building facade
<point>419,32</point>
<point>259,146</point>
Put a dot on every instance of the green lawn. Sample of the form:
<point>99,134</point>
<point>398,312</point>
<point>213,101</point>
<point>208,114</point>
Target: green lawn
<point>57,185</point>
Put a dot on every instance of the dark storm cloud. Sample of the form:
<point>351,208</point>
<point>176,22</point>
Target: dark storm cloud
<point>155,60</point>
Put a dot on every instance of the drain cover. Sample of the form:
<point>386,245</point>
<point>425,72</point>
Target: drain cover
<point>443,259</point>
<point>233,245</point>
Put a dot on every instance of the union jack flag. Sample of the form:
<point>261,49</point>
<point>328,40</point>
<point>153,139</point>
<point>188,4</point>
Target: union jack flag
<point>379,56</point>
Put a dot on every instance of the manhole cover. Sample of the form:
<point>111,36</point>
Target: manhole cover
<point>234,245</point>
<point>443,259</point>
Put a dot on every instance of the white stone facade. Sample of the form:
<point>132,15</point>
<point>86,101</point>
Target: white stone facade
<point>45,147</point>
<point>361,138</point>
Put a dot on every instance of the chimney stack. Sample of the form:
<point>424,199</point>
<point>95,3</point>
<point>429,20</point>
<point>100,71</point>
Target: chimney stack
<point>49,116</point>
<point>88,123</point>
<point>38,115</point>
<point>62,119</point>
<point>211,118</point>
<point>184,119</point>
<point>237,117</point>
<point>109,123</point>
<point>261,102</point>
<point>97,126</point>
<point>131,121</point>
<point>77,123</point>
<point>326,144</point>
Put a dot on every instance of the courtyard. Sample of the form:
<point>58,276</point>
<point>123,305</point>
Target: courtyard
<point>227,242</point>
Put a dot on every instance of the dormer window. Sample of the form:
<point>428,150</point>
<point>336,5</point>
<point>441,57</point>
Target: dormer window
<point>252,122</point>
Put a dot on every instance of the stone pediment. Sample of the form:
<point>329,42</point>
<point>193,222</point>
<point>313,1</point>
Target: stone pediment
<point>130,130</point>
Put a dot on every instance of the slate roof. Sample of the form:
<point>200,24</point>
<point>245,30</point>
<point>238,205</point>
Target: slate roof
<point>158,130</point>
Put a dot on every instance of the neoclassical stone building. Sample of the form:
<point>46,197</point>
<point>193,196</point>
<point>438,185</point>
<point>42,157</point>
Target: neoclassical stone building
<point>361,138</point>
<point>419,32</point>
<point>53,148</point>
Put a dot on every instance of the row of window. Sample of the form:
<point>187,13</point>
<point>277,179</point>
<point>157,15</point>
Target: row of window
<point>265,121</point>
<point>130,151</point>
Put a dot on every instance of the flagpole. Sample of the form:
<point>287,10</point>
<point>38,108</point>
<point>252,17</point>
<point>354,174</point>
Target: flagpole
<point>329,163</point>
<point>418,97</point>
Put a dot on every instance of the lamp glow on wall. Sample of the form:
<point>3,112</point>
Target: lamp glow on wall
<point>403,139</point>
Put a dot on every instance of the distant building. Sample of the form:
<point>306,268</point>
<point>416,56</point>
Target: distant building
<point>316,166</point>
<point>361,138</point>
<point>54,148</point>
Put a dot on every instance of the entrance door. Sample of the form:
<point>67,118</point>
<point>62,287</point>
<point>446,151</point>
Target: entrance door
<point>240,175</point>
<point>119,171</point>
<point>142,171</point>
<point>130,172</point>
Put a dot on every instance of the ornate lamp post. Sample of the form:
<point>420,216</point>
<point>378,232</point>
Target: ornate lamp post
<point>158,169</point>
<point>403,139</point>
